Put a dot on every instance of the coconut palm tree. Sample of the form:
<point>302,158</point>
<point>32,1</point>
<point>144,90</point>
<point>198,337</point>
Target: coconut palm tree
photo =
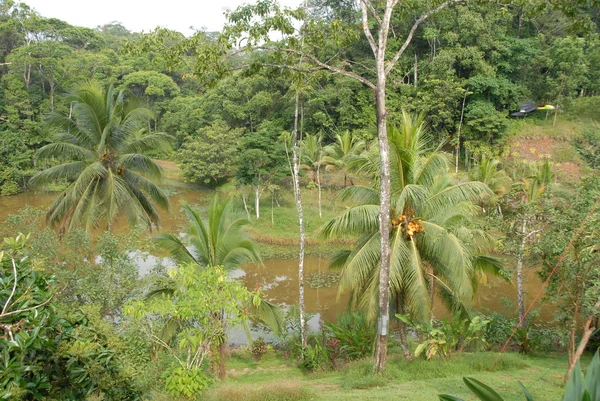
<point>102,157</point>
<point>215,241</point>
<point>433,248</point>
<point>338,154</point>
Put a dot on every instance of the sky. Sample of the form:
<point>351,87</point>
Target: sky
<point>138,15</point>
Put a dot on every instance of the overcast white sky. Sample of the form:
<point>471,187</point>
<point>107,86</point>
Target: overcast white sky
<point>138,15</point>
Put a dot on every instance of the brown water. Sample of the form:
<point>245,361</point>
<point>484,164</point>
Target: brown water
<point>171,221</point>
<point>278,278</point>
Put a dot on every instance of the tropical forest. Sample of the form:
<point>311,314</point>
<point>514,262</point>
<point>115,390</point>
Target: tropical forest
<point>343,200</point>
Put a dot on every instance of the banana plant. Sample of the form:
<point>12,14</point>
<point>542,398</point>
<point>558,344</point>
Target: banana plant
<point>580,387</point>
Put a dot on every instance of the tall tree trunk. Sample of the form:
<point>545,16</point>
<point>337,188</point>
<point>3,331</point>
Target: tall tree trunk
<point>416,70</point>
<point>257,202</point>
<point>319,185</point>
<point>272,206</point>
<point>246,206</point>
<point>384,217</point>
<point>431,291</point>
<point>296,173</point>
<point>520,299</point>
<point>52,85</point>
<point>462,114</point>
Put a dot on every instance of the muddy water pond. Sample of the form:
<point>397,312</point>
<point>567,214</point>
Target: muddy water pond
<point>278,278</point>
<point>170,221</point>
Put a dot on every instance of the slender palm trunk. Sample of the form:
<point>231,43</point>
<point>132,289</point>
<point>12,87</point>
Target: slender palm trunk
<point>296,173</point>
<point>520,298</point>
<point>431,291</point>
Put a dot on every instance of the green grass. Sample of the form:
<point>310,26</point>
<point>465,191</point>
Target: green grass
<point>284,228</point>
<point>276,379</point>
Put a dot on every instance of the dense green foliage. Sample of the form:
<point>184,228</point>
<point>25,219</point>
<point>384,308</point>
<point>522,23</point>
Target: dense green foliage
<point>49,352</point>
<point>496,56</point>
<point>88,113</point>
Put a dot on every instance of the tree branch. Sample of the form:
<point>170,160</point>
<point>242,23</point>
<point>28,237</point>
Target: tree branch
<point>365,26</point>
<point>4,315</point>
<point>12,293</point>
<point>373,11</point>
<point>531,233</point>
<point>318,62</point>
<point>418,22</point>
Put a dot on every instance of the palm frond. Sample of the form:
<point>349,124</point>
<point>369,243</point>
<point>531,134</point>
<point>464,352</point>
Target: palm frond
<point>64,150</point>
<point>67,171</point>
<point>270,314</point>
<point>354,221</point>
<point>176,248</point>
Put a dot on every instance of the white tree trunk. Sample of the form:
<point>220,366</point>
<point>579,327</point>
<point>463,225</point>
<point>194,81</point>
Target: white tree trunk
<point>246,206</point>
<point>462,114</point>
<point>319,187</point>
<point>272,206</point>
<point>257,202</point>
<point>384,213</point>
<point>298,198</point>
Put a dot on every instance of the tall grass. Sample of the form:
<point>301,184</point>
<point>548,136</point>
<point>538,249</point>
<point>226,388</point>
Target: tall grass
<point>282,390</point>
<point>359,375</point>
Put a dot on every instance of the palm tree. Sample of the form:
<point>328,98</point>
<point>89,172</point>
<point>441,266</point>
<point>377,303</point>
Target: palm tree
<point>101,155</point>
<point>488,172</point>
<point>338,154</point>
<point>433,248</point>
<point>216,241</point>
<point>312,160</point>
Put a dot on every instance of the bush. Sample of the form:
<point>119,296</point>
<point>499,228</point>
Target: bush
<point>354,333</point>
<point>10,188</point>
<point>186,382</point>
<point>49,353</point>
<point>259,348</point>
<point>530,339</point>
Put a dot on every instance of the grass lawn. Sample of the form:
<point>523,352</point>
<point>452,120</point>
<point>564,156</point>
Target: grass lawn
<point>276,379</point>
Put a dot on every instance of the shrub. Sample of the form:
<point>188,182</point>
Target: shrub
<point>259,348</point>
<point>354,333</point>
<point>10,188</point>
<point>186,382</point>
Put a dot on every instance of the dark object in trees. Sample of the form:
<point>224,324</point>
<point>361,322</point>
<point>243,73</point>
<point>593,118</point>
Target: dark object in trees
<point>529,107</point>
